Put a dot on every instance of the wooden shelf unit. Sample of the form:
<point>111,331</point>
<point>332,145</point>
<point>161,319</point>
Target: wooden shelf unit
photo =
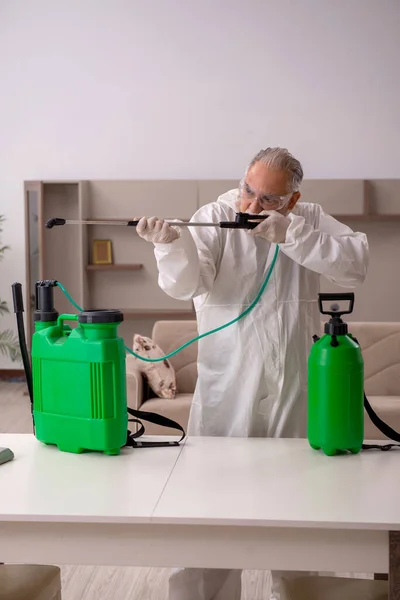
<point>65,253</point>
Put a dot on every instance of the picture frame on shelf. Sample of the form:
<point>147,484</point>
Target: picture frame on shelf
<point>102,252</point>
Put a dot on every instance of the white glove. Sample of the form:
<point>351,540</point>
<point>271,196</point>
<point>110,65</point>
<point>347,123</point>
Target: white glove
<point>156,230</point>
<point>272,229</point>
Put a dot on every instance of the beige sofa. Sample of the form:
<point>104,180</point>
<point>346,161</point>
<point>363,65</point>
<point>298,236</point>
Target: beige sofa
<point>169,335</point>
<point>380,343</point>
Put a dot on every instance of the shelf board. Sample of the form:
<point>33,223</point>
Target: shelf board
<point>371,218</point>
<point>158,313</point>
<point>115,267</point>
<point>60,181</point>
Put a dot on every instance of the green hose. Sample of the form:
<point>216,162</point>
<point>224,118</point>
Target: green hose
<point>199,337</point>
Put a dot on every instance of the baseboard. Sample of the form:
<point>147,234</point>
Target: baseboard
<point>9,374</point>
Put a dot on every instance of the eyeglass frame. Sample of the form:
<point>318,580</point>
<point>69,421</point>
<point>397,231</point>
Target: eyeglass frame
<point>278,201</point>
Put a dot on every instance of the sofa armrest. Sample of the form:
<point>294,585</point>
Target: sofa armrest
<point>134,385</point>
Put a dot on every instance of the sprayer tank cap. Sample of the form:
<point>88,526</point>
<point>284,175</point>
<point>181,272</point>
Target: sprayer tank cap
<point>101,316</point>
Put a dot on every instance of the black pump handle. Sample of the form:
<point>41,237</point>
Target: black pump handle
<point>18,301</point>
<point>19,310</point>
<point>336,297</point>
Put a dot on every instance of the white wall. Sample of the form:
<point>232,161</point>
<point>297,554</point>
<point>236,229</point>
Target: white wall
<point>189,89</point>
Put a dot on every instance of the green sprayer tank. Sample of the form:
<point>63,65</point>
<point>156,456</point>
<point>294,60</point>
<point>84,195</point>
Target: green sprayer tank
<point>78,377</point>
<point>336,385</point>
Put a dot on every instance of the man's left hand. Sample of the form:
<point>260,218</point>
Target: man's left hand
<point>272,229</point>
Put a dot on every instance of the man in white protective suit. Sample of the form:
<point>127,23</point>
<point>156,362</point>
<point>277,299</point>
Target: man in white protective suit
<point>252,376</point>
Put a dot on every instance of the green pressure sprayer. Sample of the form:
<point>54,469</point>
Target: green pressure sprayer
<point>77,377</point>
<point>336,398</point>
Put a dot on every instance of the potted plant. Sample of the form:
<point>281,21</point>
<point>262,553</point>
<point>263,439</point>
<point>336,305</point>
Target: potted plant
<point>9,345</point>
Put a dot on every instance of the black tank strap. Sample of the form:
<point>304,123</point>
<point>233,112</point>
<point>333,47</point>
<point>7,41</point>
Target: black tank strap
<point>157,420</point>
<point>383,427</point>
<point>379,424</point>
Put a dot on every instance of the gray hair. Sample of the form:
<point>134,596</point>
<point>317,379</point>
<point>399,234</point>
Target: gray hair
<point>281,159</point>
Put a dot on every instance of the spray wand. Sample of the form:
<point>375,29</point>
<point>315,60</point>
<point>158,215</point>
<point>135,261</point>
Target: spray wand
<point>242,221</point>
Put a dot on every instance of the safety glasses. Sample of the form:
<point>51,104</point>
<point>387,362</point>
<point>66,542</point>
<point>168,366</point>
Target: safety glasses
<point>267,201</point>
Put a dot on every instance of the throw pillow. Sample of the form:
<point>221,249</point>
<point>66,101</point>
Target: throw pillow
<point>160,375</point>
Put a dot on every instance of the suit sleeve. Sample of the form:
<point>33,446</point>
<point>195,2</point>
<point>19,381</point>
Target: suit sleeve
<point>187,267</point>
<point>331,249</point>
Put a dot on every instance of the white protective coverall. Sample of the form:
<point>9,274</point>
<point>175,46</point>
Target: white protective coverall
<point>252,376</point>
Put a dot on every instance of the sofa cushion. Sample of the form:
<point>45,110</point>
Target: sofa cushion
<point>388,409</point>
<point>186,379</point>
<point>178,411</point>
<point>160,375</point>
<point>170,335</point>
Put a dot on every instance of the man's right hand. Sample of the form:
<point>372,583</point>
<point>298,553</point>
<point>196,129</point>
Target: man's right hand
<point>157,231</point>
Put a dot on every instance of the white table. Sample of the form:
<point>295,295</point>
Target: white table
<point>229,503</point>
